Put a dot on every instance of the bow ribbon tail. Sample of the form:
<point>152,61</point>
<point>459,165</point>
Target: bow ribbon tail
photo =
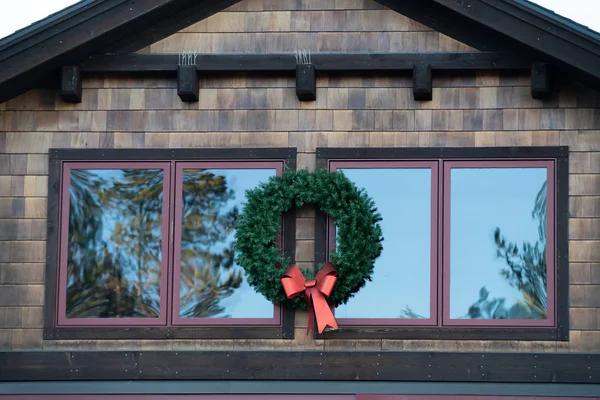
<point>310,327</point>
<point>315,290</point>
<point>318,309</point>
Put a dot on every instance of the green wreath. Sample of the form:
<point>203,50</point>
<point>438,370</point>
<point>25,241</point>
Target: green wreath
<point>358,232</point>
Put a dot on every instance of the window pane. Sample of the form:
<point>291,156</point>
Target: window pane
<point>211,284</point>
<point>401,278</point>
<point>115,243</point>
<point>498,243</point>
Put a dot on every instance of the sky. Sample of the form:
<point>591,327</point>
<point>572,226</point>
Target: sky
<point>18,14</point>
<point>480,201</point>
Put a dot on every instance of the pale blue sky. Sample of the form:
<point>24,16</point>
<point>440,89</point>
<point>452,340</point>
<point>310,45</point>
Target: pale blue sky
<point>402,273</point>
<point>481,200</point>
<point>18,14</point>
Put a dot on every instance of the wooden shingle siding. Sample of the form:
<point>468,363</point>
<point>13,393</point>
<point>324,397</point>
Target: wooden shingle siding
<point>452,109</point>
<point>323,26</point>
<point>483,109</point>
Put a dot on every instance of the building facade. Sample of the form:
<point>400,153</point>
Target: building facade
<point>109,120</point>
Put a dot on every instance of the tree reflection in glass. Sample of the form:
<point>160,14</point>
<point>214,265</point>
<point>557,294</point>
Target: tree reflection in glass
<point>498,264</point>
<point>114,243</point>
<point>211,284</point>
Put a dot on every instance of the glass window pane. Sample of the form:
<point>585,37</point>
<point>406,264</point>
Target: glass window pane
<point>401,279</point>
<point>114,243</point>
<point>211,284</point>
<point>498,243</point>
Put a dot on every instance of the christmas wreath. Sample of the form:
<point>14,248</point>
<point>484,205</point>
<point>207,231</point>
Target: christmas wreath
<point>358,239</point>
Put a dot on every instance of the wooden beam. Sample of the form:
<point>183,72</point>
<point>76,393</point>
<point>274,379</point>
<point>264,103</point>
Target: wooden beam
<point>422,86</point>
<point>541,86</point>
<point>70,84</point>
<point>187,83</point>
<point>331,62</point>
<point>411,366</point>
<point>306,83</point>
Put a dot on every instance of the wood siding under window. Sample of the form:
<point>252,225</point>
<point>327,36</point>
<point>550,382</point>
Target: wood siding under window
<point>483,109</point>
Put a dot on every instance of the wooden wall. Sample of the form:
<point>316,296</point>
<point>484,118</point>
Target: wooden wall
<point>484,109</point>
<point>283,26</point>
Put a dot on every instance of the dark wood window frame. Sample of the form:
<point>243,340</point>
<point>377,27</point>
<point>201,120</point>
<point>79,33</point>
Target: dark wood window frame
<point>373,329</point>
<point>59,157</point>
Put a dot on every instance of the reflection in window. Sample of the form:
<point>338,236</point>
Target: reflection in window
<point>211,284</point>
<point>498,243</point>
<point>402,274</point>
<point>114,243</point>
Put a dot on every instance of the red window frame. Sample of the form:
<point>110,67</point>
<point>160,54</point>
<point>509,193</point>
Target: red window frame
<point>175,319</point>
<point>554,159</point>
<point>168,325</point>
<point>432,165</point>
<point>550,251</point>
<point>61,283</point>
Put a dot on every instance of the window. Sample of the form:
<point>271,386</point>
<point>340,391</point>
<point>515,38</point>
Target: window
<point>144,244</point>
<point>471,248</point>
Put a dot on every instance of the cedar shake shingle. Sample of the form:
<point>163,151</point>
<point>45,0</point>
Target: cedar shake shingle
<point>584,250</point>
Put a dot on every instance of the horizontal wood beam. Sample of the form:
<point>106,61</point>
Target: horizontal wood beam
<point>300,366</point>
<point>330,62</point>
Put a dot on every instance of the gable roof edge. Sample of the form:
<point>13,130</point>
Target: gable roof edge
<point>93,26</point>
<point>541,32</point>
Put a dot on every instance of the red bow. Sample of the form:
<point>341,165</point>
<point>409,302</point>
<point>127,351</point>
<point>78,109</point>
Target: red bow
<point>315,290</point>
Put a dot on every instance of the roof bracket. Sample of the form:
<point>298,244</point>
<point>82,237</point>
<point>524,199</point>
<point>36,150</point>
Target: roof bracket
<point>306,82</point>
<point>70,84</point>
<point>422,86</point>
<point>187,83</point>
<point>541,85</point>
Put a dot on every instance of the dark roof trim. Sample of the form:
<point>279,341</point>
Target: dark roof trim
<point>566,22</point>
<point>100,26</point>
<point>457,26</point>
<point>27,56</point>
<point>542,31</point>
<point>51,20</point>
<point>488,367</point>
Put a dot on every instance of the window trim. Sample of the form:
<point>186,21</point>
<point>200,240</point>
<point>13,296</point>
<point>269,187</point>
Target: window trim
<point>558,155</point>
<point>400,164</point>
<point>67,167</point>
<point>176,320</point>
<point>283,330</point>
<point>550,245</point>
